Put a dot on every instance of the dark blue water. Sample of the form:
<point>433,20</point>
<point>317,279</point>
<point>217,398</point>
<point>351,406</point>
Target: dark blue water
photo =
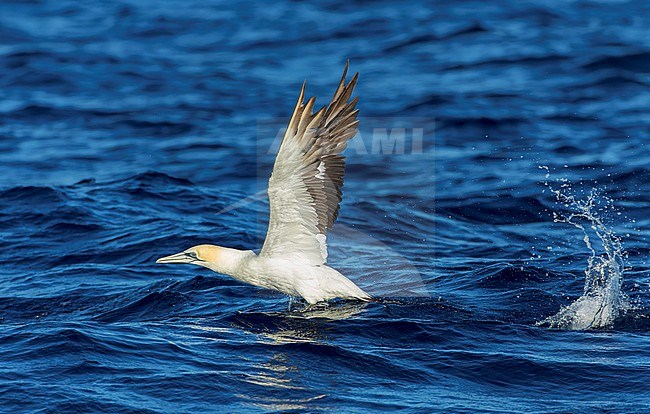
<point>129,129</point>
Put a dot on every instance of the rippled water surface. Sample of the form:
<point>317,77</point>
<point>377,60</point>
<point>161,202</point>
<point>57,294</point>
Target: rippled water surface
<point>130,130</point>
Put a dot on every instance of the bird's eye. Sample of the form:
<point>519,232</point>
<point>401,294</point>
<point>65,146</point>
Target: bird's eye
<point>193,255</point>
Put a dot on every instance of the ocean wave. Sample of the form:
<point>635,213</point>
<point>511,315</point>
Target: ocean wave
<point>633,62</point>
<point>129,132</point>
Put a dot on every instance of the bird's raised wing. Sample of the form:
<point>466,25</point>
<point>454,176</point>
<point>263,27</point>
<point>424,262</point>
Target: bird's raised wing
<point>305,186</point>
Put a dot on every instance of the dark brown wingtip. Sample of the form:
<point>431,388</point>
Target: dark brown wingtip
<point>341,86</point>
<point>345,95</point>
<point>302,92</point>
<point>353,81</point>
<point>296,115</point>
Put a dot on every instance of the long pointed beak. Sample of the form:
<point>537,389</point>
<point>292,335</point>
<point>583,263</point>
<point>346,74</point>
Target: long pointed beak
<point>181,257</point>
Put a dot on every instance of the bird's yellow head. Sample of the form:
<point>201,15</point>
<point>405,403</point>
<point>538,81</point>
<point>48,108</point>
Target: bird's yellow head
<point>199,255</point>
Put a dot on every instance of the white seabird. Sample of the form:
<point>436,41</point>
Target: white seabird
<point>304,196</point>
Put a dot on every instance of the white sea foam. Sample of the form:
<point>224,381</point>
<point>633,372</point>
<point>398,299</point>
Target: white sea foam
<point>602,301</point>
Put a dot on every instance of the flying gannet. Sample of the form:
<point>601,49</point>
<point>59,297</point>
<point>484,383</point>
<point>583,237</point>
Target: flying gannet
<point>304,196</point>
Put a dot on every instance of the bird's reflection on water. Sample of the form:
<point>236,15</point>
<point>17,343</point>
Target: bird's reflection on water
<point>306,324</point>
<point>300,326</point>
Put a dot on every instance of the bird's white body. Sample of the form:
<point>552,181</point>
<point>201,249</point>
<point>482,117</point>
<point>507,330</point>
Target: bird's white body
<point>314,283</point>
<point>305,191</point>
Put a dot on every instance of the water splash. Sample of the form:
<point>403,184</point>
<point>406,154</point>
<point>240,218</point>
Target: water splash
<point>602,301</point>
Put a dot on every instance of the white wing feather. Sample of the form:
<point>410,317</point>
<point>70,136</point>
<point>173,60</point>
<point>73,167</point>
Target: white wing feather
<point>305,186</point>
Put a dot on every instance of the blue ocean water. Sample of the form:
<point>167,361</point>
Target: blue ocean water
<point>130,130</point>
